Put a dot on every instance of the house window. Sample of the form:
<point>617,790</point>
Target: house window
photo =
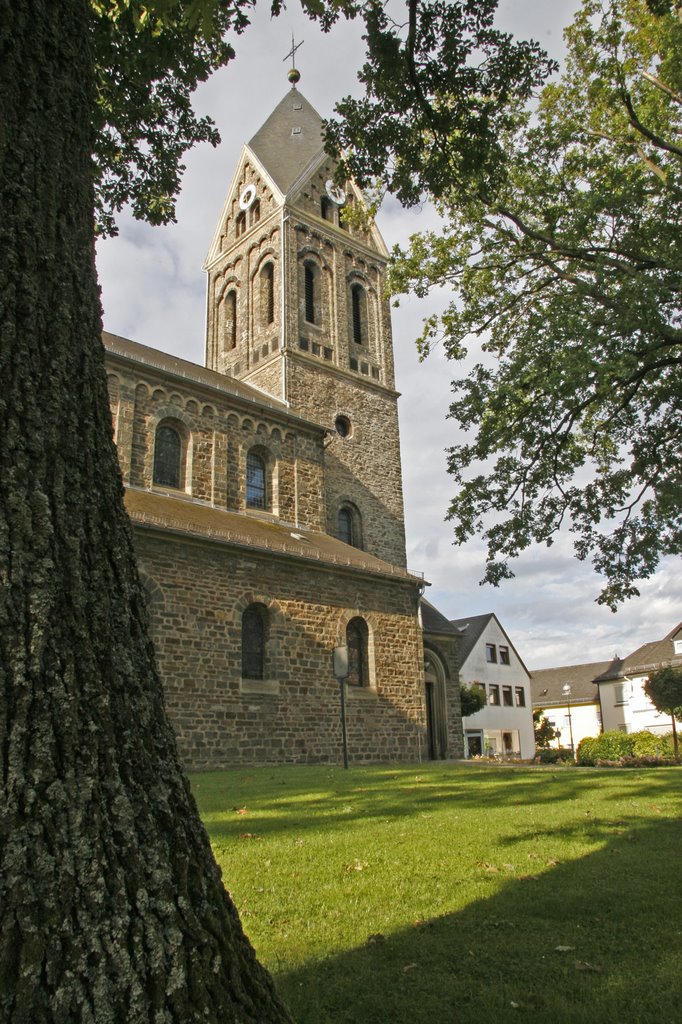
<point>254,630</point>
<point>494,695</point>
<point>356,641</point>
<point>256,493</point>
<point>240,224</point>
<point>359,313</point>
<point>504,655</point>
<point>309,289</point>
<point>520,695</point>
<point>491,654</point>
<point>507,696</point>
<point>620,695</point>
<point>167,457</point>
<point>267,294</point>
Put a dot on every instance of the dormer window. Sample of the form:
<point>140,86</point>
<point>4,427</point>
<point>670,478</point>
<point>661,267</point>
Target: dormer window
<point>677,644</point>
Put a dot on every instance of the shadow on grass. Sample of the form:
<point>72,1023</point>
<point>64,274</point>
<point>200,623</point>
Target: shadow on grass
<point>284,797</point>
<point>616,912</point>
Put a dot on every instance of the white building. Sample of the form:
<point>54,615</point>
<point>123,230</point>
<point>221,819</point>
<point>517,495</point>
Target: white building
<point>569,699</point>
<point>487,658</point>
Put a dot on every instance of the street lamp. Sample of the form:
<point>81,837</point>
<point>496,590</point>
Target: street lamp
<point>566,690</point>
<point>340,654</point>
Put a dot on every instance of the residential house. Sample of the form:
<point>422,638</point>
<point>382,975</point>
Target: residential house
<point>487,658</point>
<point>573,712</point>
<point>624,705</point>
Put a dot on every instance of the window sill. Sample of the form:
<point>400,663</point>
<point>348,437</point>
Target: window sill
<point>266,687</point>
<point>361,692</point>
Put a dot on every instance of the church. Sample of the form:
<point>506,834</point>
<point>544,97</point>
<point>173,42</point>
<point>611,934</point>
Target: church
<point>265,489</point>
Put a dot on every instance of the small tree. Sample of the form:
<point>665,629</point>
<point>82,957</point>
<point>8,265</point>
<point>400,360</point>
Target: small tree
<point>472,698</point>
<point>664,690</point>
<point>544,730</point>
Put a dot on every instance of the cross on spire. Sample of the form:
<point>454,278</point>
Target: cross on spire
<point>294,48</point>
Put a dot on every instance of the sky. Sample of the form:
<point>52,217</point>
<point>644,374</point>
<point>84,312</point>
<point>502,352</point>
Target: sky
<point>153,291</point>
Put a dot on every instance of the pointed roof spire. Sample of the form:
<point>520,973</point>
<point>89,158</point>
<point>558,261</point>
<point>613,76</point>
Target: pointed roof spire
<point>294,75</point>
<point>289,140</point>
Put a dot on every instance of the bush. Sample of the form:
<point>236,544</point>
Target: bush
<point>554,755</point>
<point>615,748</point>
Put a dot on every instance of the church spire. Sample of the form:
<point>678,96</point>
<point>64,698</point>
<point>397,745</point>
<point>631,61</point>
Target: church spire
<point>293,74</point>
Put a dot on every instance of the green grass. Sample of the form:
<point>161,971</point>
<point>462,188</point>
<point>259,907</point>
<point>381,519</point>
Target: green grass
<point>441,894</point>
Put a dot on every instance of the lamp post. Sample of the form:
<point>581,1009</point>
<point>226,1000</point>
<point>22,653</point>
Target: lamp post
<point>341,672</point>
<point>566,690</point>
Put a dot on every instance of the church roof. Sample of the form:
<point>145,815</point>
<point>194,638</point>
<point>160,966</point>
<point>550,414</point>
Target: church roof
<point>191,518</point>
<point>289,140</point>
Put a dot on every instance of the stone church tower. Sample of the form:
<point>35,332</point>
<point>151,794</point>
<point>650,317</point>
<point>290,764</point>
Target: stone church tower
<point>297,308</point>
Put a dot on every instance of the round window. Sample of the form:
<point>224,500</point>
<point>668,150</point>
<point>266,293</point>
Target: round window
<point>343,427</point>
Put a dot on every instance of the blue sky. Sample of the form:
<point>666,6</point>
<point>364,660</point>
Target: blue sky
<point>153,291</point>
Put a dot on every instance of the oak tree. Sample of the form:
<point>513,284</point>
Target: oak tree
<point>560,245</point>
<point>112,907</point>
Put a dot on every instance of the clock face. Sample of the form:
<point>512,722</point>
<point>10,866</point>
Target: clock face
<point>247,196</point>
<point>335,192</point>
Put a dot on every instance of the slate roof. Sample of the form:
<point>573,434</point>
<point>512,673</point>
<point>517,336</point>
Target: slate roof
<point>286,154</point>
<point>433,621</point>
<point>469,630</point>
<point>189,517</point>
<point>183,370</point>
<point>546,684</point>
<point>649,657</point>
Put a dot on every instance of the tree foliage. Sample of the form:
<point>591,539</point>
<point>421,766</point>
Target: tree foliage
<point>664,690</point>
<point>560,247</point>
<point>543,730</point>
<point>472,698</point>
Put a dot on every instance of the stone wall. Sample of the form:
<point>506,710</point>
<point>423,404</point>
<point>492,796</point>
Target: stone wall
<point>198,592</point>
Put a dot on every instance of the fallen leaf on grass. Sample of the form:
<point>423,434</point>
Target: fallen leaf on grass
<point>582,965</point>
<point>373,940</point>
<point>487,867</point>
<point>356,865</point>
<point>242,810</point>
<point>408,967</point>
<point>249,835</point>
<point>563,949</point>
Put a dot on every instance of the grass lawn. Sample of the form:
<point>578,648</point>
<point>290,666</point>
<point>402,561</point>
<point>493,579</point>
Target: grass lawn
<point>448,894</point>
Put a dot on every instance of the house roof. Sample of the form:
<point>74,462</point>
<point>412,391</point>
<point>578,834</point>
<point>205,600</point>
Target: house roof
<point>546,684</point>
<point>182,369</point>
<point>289,140</point>
<point>649,657</point>
<point>470,629</point>
<point>187,517</point>
<point>433,621</point>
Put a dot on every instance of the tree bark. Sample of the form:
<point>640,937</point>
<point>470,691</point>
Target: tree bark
<point>111,905</point>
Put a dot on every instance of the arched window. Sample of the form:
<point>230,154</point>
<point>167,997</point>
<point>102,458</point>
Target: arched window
<point>356,641</point>
<point>348,525</point>
<point>240,224</point>
<point>230,314</point>
<point>256,490</point>
<point>267,294</point>
<point>255,212</point>
<point>359,313</point>
<point>254,639</point>
<point>309,280</point>
<point>167,457</point>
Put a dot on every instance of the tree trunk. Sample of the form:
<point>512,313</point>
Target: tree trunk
<point>111,905</point>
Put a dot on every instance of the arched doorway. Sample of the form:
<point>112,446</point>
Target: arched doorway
<point>436,717</point>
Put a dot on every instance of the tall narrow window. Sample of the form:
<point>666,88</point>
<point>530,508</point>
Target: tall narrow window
<point>326,208</point>
<point>230,330</point>
<point>255,212</point>
<point>256,496</point>
<point>254,628</point>
<point>356,640</point>
<point>309,293</point>
<point>240,224</point>
<point>268,294</point>
<point>345,522</point>
<point>357,293</point>
<point>167,456</point>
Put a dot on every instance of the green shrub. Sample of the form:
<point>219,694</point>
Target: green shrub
<point>554,755</point>
<point>620,748</point>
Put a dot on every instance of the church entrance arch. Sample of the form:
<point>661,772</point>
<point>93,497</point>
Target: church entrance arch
<point>436,717</point>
